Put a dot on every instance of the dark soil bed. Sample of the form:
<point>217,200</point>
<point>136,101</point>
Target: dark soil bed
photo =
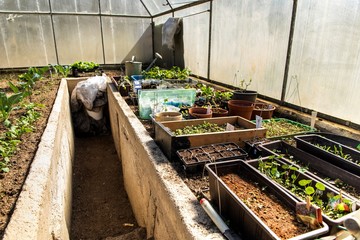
<point>87,220</point>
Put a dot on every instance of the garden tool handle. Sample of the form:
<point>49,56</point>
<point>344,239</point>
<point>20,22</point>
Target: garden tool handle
<point>224,229</point>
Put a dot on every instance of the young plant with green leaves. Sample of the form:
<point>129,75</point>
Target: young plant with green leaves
<point>84,66</point>
<point>287,176</point>
<point>173,73</point>
<point>337,150</point>
<point>61,71</point>
<point>8,103</point>
<point>12,137</point>
<point>29,79</point>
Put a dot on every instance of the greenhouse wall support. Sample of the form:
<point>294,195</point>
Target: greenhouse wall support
<point>43,209</point>
<point>160,199</point>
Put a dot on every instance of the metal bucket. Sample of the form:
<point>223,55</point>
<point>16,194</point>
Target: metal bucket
<point>133,68</point>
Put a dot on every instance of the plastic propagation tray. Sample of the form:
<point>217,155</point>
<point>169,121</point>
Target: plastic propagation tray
<point>316,165</point>
<point>254,164</point>
<point>195,158</point>
<point>305,128</point>
<point>242,219</point>
<point>312,144</point>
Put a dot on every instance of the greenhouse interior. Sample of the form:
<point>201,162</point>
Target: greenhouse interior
<point>179,119</point>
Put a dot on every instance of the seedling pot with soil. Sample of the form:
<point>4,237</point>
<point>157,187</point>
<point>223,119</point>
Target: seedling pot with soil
<point>194,159</point>
<point>263,110</point>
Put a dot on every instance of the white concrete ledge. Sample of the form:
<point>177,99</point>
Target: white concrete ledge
<point>160,199</point>
<point>43,209</point>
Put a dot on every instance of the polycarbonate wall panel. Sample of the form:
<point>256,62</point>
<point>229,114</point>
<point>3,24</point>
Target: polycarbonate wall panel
<point>124,7</point>
<point>127,37</point>
<point>167,60</point>
<point>324,72</point>
<point>78,38</point>
<point>156,6</point>
<point>26,41</point>
<point>195,38</point>
<point>75,6</point>
<point>25,5</point>
<point>249,40</point>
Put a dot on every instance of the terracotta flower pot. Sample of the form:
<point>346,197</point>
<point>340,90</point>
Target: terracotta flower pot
<point>219,112</point>
<point>263,110</point>
<point>241,108</point>
<point>199,112</point>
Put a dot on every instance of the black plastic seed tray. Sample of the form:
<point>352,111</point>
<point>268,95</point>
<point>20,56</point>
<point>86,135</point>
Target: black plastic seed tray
<point>195,158</point>
<point>317,166</point>
<point>254,164</point>
<point>324,148</point>
<point>241,218</point>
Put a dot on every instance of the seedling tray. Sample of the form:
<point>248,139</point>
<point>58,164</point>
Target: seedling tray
<point>254,164</point>
<point>170,143</point>
<point>305,129</point>
<point>242,219</point>
<point>252,146</point>
<point>316,165</point>
<point>311,143</point>
<point>194,159</point>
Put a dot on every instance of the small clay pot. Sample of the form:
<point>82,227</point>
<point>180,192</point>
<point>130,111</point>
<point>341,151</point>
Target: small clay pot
<point>219,112</point>
<point>263,110</point>
<point>199,112</point>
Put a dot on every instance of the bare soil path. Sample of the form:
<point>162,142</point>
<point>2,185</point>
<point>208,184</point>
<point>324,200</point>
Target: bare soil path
<point>100,207</point>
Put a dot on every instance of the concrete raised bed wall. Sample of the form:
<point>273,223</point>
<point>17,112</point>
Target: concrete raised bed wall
<point>43,209</point>
<point>160,199</point>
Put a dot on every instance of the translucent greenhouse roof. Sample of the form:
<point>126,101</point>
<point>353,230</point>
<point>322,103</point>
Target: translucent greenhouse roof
<point>144,8</point>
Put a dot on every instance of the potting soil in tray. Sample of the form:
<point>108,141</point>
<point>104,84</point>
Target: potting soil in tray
<point>255,207</point>
<point>284,128</point>
<point>193,158</point>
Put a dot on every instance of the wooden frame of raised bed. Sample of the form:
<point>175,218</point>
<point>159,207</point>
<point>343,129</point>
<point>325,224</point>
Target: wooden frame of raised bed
<point>170,143</point>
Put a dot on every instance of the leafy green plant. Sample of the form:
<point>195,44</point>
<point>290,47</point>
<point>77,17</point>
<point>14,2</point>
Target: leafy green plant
<point>287,175</point>
<point>205,127</point>
<point>173,73</point>
<point>29,79</point>
<point>123,82</point>
<point>84,66</point>
<point>11,138</point>
<point>223,96</point>
<point>7,104</point>
<point>62,71</point>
